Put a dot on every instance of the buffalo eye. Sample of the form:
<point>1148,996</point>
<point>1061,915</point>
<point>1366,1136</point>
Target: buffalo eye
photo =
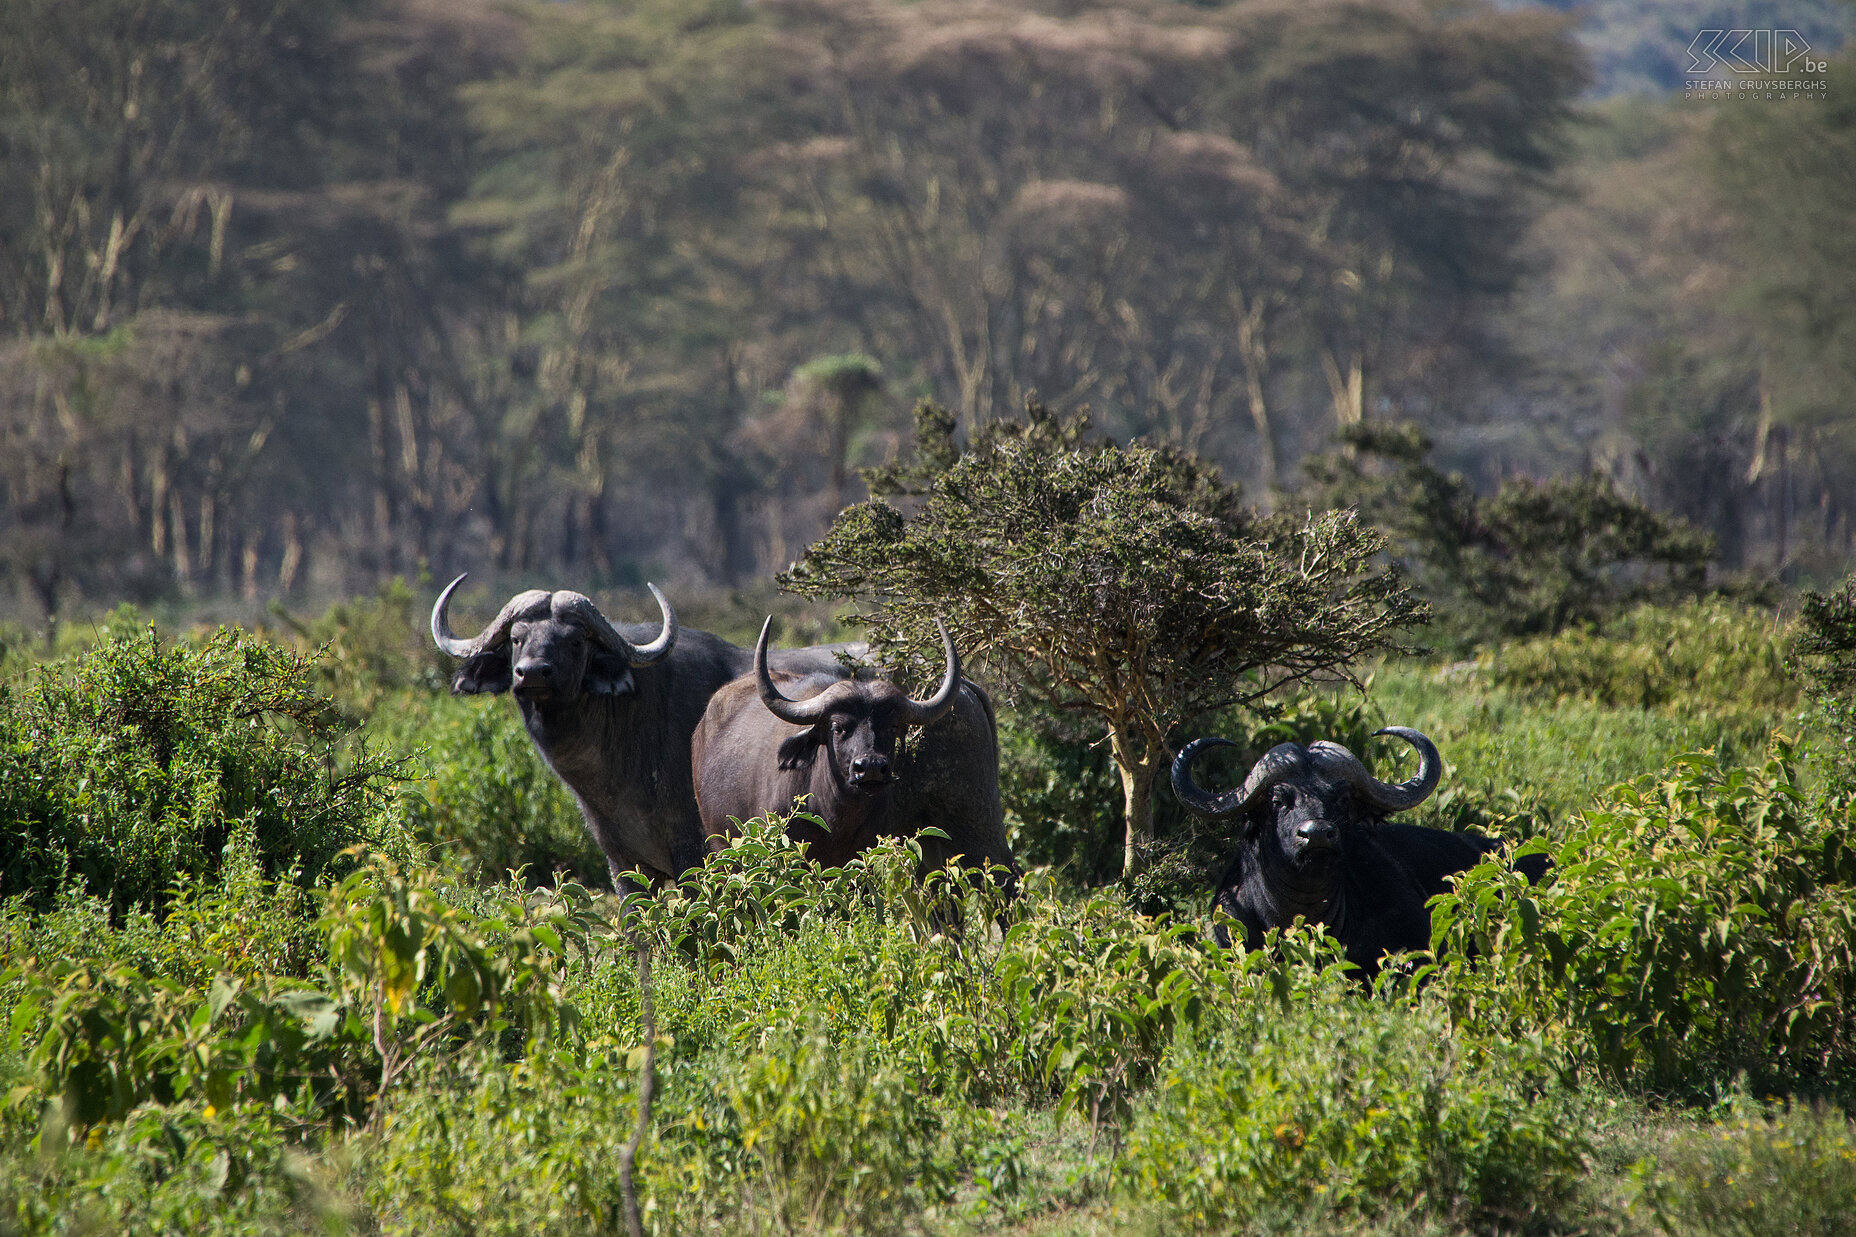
<point>841,728</point>
<point>1283,796</point>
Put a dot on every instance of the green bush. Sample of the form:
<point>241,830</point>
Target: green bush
<point>176,1169</point>
<point>1693,926</point>
<point>487,797</point>
<point>837,1137</point>
<point>130,769</point>
<point>1827,652</point>
<point>1337,1106</point>
<point>371,648</point>
<point>1707,654</point>
<point>1791,1170</point>
<point>1533,558</point>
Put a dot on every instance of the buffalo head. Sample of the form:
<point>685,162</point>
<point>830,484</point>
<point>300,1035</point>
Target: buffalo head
<point>1300,803</point>
<point>549,647</point>
<point>857,723</point>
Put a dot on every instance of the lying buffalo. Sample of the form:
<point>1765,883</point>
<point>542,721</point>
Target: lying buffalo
<point>1315,843</point>
<point>612,708</point>
<point>771,737</point>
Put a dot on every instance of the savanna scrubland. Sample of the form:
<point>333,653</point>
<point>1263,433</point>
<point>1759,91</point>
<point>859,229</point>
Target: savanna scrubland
<point>303,301</point>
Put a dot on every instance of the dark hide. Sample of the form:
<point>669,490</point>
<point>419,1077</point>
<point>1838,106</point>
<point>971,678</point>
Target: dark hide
<point>1311,845</point>
<point>748,763</point>
<point>619,735</point>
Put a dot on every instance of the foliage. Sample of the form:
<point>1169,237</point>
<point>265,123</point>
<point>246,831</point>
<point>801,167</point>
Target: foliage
<point>878,1049</point>
<point>1126,584</point>
<point>1338,1105</point>
<point>409,976</point>
<point>1544,760</point>
<point>1532,558</point>
<point>486,797</point>
<point>839,1138</point>
<point>371,648</point>
<point>1827,649</point>
<point>413,971</point>
<point>1712,654</point>
<point>111,1040</point>
<point>1694,925</point>
<point>180,1168</point>
<point>1787,1169</point>
<point>134,765</point>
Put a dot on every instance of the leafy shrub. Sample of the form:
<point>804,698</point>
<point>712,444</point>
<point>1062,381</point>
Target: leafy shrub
<point>371,648</point>
<point>244,925</point>
<point>488,798</point>
<point>1791,1170</point>
<point>1710,654</point>
<point>188,1168</point>
<point>1533,558</point>
<point>133,766</point>
<point>839,1139</point>
<point>483,1146</point>
<point>112,1039</point>
<point>1340,1106</point>
<point>1827,649</point>
<point>410,975</point>
<point>1694,925</point>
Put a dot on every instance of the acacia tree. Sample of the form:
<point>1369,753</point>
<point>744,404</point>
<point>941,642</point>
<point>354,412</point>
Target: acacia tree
<point>1129,584</point>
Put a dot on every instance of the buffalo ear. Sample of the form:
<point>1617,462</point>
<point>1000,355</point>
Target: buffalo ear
<point>486,673</point>
<point>797,751</point>
<point>608,674</point>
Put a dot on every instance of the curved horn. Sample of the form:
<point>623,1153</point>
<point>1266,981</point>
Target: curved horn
<point>495,634</point>
<point>1277,763</point>
<point>645,654</point>
<point>929,711</point>
<point>582,609</point>
<point>798,712</point>
<point>1384,795</point>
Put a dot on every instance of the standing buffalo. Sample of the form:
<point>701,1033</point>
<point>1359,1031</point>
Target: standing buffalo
<point>1315,843</point>
<point>769,738</point>
<point>611,709</point>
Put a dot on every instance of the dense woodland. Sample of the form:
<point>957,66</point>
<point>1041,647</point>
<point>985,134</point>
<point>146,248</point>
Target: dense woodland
<point>300,295</point>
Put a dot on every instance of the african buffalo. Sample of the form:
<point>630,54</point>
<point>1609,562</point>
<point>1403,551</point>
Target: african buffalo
<point>774,735</point>
<point>1315,843</point>
<point>612,708</point>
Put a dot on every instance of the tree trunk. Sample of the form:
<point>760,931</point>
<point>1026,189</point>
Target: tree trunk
<point>1137,803</point>
<point>1348,389</point>
<point>1251,347</point>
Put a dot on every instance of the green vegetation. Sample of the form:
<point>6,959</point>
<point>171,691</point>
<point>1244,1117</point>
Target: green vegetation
<point>1533,558</point>
<point>267,1037</point>
<point>140,762</point>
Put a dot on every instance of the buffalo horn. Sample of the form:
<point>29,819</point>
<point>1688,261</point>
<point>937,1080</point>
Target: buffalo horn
<point>1384,795</point>
<point>1279,762</point>
<point>929,711</point>
<point>580,607</point>
<point>490,637</point>
<point>798,712</point>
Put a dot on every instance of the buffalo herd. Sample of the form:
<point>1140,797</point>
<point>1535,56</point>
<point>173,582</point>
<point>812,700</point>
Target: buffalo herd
<point>669,737</point>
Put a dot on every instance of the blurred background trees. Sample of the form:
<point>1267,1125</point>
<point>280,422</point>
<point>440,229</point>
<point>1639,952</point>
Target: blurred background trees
<point>306,294</point>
